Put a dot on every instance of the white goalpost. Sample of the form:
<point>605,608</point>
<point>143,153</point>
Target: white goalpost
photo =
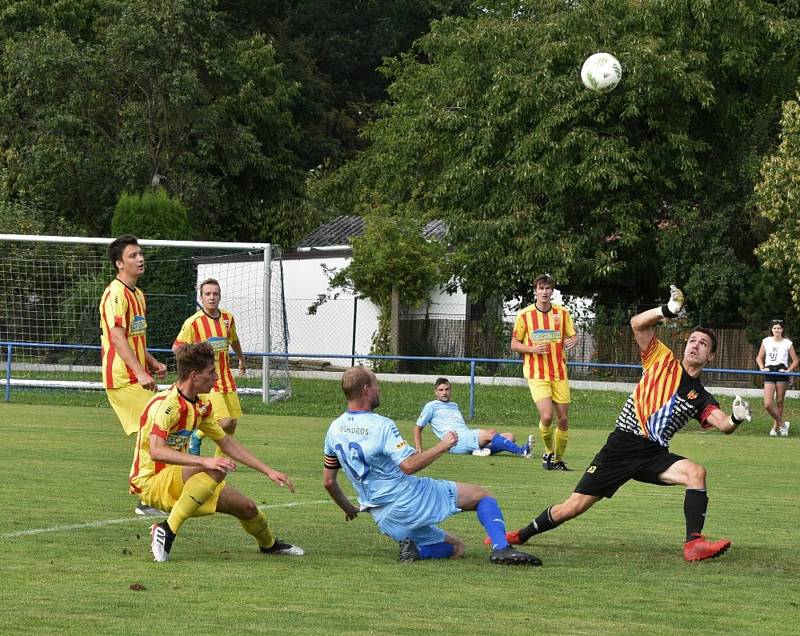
<point>50,288</point>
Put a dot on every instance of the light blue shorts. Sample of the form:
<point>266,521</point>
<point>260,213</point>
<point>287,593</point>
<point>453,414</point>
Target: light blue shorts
<point>414,516</point>
<point>467,442</point>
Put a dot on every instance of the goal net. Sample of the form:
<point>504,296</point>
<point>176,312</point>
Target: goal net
<point>50,289</point>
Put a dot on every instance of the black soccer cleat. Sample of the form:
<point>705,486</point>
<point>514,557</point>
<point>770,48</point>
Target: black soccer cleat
<point>547,461</point>
<point>559,465</point>
<point>281,547</point>
<point>510,556</point>
<point>408,551</point>
<point>161,542</point>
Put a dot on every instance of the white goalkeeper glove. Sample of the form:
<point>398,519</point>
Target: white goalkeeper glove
<point>675,304</point>
<point>741,411</point>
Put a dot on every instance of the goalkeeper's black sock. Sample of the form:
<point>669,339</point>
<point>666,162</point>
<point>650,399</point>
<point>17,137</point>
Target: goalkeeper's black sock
<point>695,504</point>
<point>542,523</point>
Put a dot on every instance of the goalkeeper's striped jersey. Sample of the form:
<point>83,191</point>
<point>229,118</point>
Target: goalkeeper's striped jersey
<point>219,333</point>
<point>172,417</point>
<point>533,327</point>
<point>665,399</point>
<point>370,449</point>
<point>122,306</point>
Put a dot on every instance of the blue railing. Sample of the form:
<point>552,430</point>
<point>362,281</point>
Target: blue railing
<point>473,362</point>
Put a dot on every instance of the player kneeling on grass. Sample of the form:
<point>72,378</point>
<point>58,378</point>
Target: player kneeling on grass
<point>444,416</point>
<point>666,398</point>
<point>380,464</point>
<point>166,476</point>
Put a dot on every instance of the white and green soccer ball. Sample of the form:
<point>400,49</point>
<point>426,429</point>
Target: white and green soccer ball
<point>601,72</point>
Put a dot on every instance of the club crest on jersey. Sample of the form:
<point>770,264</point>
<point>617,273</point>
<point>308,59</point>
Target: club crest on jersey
<point>227,323</point>
<point>691,395</point>
<point>557,322</point>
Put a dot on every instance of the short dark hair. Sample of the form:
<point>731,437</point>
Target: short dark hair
<point>709,333</point>
<point>208,281</point>
<point>118,245</point>
<point>548,280</point>
<point>193,357</point>
<point>776,321</point>
<point>440,381</point>
<point>355,379</point>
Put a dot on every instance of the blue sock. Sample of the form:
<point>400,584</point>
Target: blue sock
<point>500,443</point>
<point>436,551</point>
<point>491,518</point>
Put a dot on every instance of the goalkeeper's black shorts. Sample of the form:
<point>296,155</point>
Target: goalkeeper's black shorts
<point>625,456</point>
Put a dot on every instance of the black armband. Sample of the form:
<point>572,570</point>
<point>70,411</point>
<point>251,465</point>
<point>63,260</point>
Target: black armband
<point>666,312</point>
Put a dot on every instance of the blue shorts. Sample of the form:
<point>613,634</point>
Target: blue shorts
<point>414,517</point>
<point>467,442</point>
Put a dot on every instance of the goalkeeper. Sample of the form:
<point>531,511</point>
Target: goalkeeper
<point>665,399</point>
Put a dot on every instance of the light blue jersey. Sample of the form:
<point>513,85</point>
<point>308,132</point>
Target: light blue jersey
<point>369,448</point>
<point>445,417</point>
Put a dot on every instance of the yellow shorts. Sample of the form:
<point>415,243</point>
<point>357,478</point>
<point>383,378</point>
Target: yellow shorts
<point>128,403</point>
<point>163,490</point>
<point>556,390</point>
<point>224,405</point>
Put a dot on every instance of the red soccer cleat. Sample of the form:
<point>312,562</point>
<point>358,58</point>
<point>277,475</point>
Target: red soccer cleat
<point>700,548</point>
<point>511,537</point>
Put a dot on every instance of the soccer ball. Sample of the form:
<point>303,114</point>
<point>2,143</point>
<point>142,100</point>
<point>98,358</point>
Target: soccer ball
<point>601,72</point>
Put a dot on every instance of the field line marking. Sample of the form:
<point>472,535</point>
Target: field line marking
<point>111,522</point>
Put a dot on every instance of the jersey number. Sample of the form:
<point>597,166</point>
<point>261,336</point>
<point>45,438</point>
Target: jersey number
<point>354,460</point>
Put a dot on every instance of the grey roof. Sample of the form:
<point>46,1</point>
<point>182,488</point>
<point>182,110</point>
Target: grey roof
<point>343,228</point>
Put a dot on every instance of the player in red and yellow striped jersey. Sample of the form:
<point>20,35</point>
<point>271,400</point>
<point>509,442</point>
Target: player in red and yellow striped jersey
<point>165,475</point>
<point>542,333</point>
<point>217,327</point>
<point>668,395</point>
<point>126,363</point>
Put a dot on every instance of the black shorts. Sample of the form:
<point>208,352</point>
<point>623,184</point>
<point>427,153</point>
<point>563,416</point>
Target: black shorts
<point>625,456</point>
<point>775,378</point>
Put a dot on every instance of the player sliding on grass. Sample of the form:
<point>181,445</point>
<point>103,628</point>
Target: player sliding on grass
<point>666,398</point>
<point>380,465</point>
<point>444,415</point>
<point>166,476</point>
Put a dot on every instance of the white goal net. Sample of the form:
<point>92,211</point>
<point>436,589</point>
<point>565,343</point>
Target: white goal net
<point>50,289</point>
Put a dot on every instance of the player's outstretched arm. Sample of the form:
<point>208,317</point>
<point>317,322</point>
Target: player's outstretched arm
<point>644,324</point>
<point>729,423</point>
<point>235,450</point>
<point>331,483</point>
<point>418,461</point>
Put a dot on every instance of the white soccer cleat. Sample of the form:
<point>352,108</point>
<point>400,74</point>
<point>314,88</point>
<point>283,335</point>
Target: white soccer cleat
<point>162,541</point>
<point>773,432</point>
<point>482,452</point>
<point>784,430</point>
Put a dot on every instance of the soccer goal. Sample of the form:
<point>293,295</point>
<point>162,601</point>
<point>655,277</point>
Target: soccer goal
<point>50,289</point>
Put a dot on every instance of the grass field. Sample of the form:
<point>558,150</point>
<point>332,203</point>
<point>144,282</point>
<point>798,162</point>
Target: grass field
<point>74,552</point>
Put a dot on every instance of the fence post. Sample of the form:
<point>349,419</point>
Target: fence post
<point>355,322</point>
<point>471,390</point>
<point>8,373</point>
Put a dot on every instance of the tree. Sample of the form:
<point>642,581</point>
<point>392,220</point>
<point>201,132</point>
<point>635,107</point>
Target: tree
<point>778,201</point>
<point>489,128</point>
<point>104,96</point>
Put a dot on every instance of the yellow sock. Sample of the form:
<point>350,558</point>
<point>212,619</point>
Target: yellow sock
<point>196,491</point>
<point>258,526</point>
<point>200,434</point>
<point>562,437</point>
<point>547,437</point>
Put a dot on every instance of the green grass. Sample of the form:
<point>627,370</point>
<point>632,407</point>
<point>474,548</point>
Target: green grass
<point>618,569</point>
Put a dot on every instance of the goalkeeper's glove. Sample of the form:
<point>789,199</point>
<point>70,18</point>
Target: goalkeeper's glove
<point>675,304</point>
<point>741,411</point>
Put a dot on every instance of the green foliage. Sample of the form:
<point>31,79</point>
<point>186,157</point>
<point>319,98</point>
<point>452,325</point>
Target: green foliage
<point>778,201</point>
<point>489,128</point>
<point>152,214</point>
<point>100,97</point>
<point>156,215</point>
